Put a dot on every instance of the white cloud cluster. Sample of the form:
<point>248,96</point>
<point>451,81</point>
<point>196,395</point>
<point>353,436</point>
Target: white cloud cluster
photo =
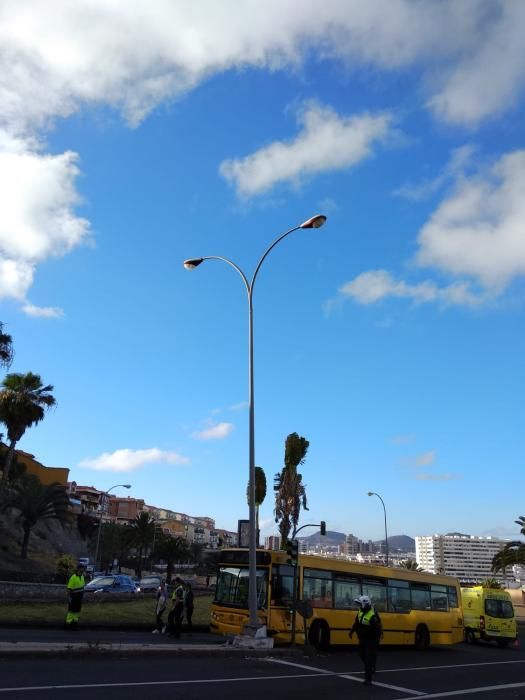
<point>219,431</point>
<point>37,220</point>
<point>374,285</point>
<point>59,57</point>
<point>126,460</point>
<point>326,142</point>
<point>474,235</point>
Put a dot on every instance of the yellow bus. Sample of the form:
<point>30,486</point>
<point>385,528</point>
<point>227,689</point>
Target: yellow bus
<point>416,608</point>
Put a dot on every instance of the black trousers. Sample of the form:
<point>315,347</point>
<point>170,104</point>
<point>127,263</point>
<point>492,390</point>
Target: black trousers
<point>189,614</point>
<point>175,621</point>
<point>368,653</point>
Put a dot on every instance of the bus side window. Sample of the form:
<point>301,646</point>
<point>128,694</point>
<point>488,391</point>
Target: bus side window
<point>398,596</point>
<point>420,594</point>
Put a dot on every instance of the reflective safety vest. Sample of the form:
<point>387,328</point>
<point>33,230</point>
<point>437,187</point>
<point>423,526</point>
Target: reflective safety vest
<point>76,584</point>
<point>364,618</point>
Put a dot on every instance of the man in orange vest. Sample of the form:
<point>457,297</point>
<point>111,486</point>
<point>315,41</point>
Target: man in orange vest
<point>369,630</point>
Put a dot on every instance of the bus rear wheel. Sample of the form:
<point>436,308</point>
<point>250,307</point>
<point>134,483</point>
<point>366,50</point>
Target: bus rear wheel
<point>422,637</point>
<point>319,635</point>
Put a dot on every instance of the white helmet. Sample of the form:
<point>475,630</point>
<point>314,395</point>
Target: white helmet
<point>363,600</point>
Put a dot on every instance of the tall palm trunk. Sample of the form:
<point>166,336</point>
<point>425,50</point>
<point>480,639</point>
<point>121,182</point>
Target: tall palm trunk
<point>25,540</point>
<point>9,459</point>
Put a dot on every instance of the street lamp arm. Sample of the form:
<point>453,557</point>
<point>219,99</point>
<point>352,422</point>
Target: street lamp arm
<point>236,267</point>
<point>271,247</point>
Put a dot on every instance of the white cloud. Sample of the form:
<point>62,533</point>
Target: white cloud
<point>58,58</point>
<point>134,56</point>
<point>425,459</point>
<point>375,285</point>
<point>326,142</point>
<point>219,431</point>
<point>42,311</point>
<point>475,235</point>
<point>478,230</point>
<point>455,168</point>
<point>403,439</point>
<point>126,460</point>
<point>241,406</point>
<point>37,220</point>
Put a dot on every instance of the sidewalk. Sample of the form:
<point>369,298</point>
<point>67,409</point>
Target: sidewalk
<point>49,642</point>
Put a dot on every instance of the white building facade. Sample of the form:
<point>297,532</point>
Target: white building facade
<point>467,557</point>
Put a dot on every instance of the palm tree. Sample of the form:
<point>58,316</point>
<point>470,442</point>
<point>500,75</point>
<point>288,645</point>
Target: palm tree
<point>6,348</point>
<point>290,492</point>
<point>512,553</point>
<point>260,495</point>
<point>23,403</point>
<point>490,583</point>
<point>173,550</point>
<point>36,501</point>
<point>410,564</point>
<point>142,534</point>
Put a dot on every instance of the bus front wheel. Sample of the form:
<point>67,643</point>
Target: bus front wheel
<point>319,635</point>
<point>422,637</point>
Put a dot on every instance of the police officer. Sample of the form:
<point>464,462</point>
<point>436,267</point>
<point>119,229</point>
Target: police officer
<point>75,594</point>
<point>369,630</point>
<point>176,613</point>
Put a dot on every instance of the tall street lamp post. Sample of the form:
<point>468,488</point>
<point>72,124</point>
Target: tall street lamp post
<point>191,264</point>
<point>373,493</point>
<point>105,493</point>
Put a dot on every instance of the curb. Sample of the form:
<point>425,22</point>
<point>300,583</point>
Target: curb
<point>84,649</point>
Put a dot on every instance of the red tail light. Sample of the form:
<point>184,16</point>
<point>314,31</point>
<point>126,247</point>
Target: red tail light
<point>481,622</point>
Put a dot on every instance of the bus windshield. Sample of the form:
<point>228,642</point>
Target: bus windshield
<point>232,586</point>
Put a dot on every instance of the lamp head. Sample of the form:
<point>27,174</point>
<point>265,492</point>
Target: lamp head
<point>315,222</point>
<point>126,486</point>
<point>192,263</point>
<point>371,493</point>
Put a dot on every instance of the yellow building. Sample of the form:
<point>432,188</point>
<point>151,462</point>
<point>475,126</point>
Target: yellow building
<point>47,475</point>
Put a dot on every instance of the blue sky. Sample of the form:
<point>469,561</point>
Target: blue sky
<point>135,135</point>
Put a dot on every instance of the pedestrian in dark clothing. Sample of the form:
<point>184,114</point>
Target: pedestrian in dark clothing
<point>188,606</point>
<point>75,594</point>
<point>369,630</point>
<point>177,610</point>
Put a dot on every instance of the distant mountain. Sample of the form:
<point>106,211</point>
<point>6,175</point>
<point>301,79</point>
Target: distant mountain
<point>331,538</point>
<point>403,543</point>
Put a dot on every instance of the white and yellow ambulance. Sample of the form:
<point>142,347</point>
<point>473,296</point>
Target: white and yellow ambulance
<point>488,615</point>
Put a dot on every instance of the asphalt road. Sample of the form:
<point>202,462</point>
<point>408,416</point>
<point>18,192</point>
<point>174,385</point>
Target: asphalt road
<point>480,672</point>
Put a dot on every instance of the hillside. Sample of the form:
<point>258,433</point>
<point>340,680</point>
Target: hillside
<point>401,543</point>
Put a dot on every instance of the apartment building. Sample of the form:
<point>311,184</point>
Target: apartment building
<point>272,542</point>
<point>468,557</point>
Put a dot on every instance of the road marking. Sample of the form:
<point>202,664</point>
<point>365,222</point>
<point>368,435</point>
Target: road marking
<point>80,686</point>
<point>469,691</point>
<point>432,668</point>
<point>346,676</point>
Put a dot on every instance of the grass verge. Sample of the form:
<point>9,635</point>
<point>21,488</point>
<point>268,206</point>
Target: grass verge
<point>123,613</point>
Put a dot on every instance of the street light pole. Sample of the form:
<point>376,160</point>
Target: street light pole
<point>105,493</point>
<point>191,264</point>
<point>373,493</point>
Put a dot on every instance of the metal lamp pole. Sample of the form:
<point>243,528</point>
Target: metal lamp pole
<point>105,493</point>
<point>191,264</point>
<point>373,493</point>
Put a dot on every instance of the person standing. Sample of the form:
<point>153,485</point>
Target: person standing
<point>75,594</point>
<point>188,606</point>
<point>369,631</point>
<point>177,609</point>
<point>162,600</point>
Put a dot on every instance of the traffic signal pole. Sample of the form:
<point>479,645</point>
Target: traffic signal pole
<point>292,547</point>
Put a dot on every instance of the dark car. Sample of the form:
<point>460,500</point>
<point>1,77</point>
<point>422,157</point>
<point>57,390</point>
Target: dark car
<point>113,583</point>
<point>150,583</point>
